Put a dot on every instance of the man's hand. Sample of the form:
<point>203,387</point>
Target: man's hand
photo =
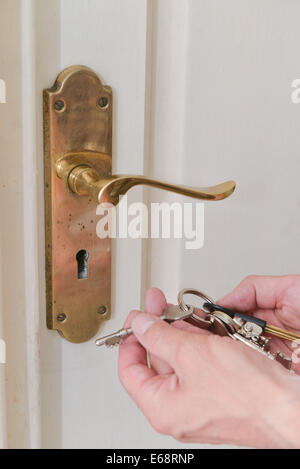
<point>274,299</point>
<point>211,389</point>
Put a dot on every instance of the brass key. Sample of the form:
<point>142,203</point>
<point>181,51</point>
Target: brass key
<point>282,333</point>
<point>273,330</point>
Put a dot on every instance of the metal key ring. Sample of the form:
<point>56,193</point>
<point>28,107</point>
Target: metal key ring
<point>184,306</point>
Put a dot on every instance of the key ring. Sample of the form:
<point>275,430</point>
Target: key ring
<point>195,319</point>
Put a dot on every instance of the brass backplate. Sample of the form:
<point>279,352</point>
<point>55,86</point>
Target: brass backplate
<point>77,119</point>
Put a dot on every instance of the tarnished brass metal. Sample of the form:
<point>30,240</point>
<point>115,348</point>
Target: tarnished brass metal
<point>78,161</point>
<point>77,118</point>
<point>81,175</point>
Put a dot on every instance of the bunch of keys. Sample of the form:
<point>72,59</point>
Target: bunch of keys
<point>222,321</point>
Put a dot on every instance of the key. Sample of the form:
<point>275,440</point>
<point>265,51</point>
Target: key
<point>246,329</point>
<point>273,330</point>
<point>113,339</point>
<point>282,333</point>
<point>171,313</point>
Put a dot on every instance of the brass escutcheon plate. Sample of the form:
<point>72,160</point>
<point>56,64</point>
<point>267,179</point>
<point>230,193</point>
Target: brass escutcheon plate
<point>77,119</point>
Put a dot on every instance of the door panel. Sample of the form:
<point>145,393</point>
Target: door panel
<point>241,124</point>
<point>3,434</point>
<point>201,95</point>
<point>118,45</point>
<point>15,401</point>
<point>110,37</point>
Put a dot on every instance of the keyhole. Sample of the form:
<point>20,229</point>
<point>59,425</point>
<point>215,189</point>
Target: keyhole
<point>82,258</point>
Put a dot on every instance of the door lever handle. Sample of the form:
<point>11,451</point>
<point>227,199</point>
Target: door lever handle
<point>82,177</point>
<point>78,117</point>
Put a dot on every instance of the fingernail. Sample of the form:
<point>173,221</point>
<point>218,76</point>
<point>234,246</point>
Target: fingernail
<point>142,323</point>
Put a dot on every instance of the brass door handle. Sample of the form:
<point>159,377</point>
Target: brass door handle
<point>81,175</point>
<point>78,117</point>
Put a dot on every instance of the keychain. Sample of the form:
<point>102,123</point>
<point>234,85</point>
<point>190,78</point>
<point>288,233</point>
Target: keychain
<point>222,321</point>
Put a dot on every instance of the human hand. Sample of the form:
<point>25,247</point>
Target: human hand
<point>274,299</point>
<point>206,388</point>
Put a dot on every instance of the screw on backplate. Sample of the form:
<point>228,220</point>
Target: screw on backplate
<point>59,105</point>
<point>102,309</point>
<point>103,102</point>
<point>61,317</point>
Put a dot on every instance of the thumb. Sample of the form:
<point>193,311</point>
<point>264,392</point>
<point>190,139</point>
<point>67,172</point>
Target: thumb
<point>160,338</point>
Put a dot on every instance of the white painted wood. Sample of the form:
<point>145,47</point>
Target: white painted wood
<point>51,41</point>
<point>90,382</point>
<point>131,55</point>
<point>30,210</point>
<point>167,145</point>
<point>48,62</point>
<point>201,94</point>
<point>111,38</point>
<point>3,434</point>
<point>240,124</point>
<point>12,228</point>
<point>22,237</point>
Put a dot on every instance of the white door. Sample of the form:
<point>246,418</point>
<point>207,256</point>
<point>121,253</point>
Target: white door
<point>201,95</point>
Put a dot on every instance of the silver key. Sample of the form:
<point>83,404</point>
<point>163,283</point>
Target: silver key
<point>249,333</point>
<point>170,314</point>
<point>114,339</point>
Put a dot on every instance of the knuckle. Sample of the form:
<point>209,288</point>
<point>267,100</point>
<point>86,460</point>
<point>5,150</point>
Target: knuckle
<point>131,317</point>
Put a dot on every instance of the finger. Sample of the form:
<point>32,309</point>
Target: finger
<point>154,394</point>
<point>133,360</point>
<point>192,325</point>
<point>127,324</point>
<point>130,318</point>
<point>134,373</point>
<point>255,292</point>
<point>160,338</point>
<point>131,351</point>
<point>155,304</point>
<point>150,391</point>
<point>185,326</point>
<point>136,349</point>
